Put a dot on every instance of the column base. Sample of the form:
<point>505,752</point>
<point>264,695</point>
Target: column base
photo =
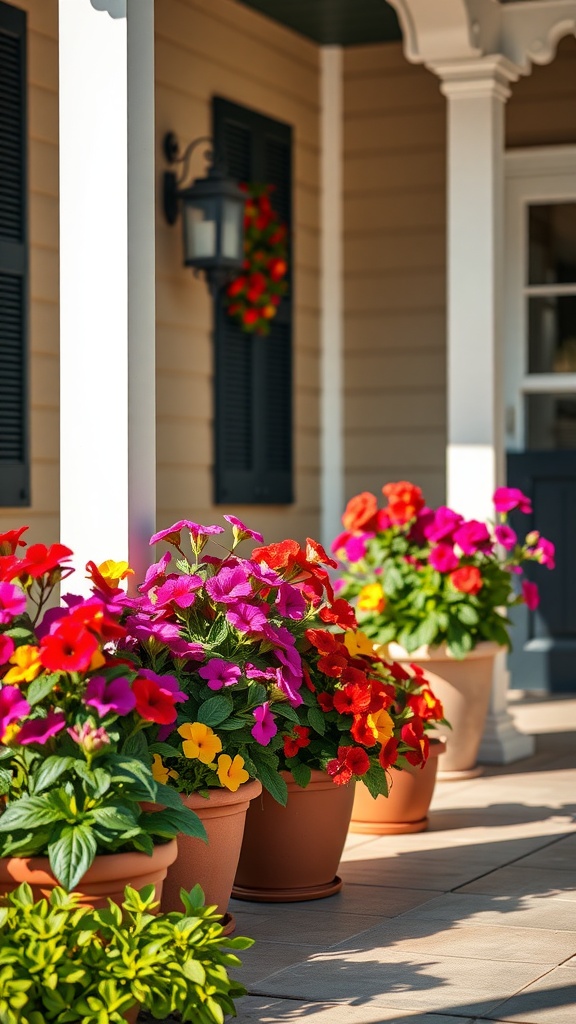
<point>502,743</point>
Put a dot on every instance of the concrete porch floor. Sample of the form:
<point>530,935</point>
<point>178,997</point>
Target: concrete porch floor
<point>473,920</point>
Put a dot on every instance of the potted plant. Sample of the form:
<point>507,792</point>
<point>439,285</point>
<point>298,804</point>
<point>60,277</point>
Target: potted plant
<point>434,588</point>
<point>62,962</point>
<point>71,714</point>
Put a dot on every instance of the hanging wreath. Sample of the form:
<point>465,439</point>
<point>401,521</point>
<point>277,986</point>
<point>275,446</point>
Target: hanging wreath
<point>252,299</point>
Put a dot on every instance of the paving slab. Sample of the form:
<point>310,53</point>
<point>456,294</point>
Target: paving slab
<point>548,914</point>
<point>520,880</point>
<point>550,999</point>
<point>254,1009</point>
<point>375,901</point>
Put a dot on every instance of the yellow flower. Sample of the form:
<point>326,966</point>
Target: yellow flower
<point>231,772</point>
<point>10,734</point>
<point>113,572</point>
<point>26,661</point>
<point>382,725</point>
<point>200,741</point>
<point>371,598</point>
<point>96,661</point>
<point>358,643</point>
<point>160,772</point>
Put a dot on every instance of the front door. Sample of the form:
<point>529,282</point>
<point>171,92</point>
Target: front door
<point>540,398</point>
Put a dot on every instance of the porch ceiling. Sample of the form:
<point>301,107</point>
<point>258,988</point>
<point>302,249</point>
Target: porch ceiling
<point>343,22</point>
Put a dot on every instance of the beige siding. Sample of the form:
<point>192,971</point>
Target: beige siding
<point>542,109</point>
<point>218,47</point>
<point>43,514</point>
<point>394,209</point>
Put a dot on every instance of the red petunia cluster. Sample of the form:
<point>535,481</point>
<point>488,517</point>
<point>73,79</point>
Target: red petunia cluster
<point>252,299</point>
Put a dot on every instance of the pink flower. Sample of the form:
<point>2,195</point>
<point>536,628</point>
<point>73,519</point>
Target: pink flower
<point>505,536</point>
<point>172,534</point>
<point>7,648</point>
<point>229,586</point>
<point>178,590</point>
<point>110,695</point>
<point>530,595</point>
<point>13,707</point>
<point>545,552</point>
<point>246,618</point>
<point>265,727</point>
<point>242,532</point>
<point>291,604</point>
<point>219,673</point>
<point>155,573</point>
<point>39,730</point>
<point>443,525</point>
<point>12,602</point>
<point>356,547</point>
<point>506,499</point>
<point>472,536</point>
<point>442,558</point>
<point>89,737</point>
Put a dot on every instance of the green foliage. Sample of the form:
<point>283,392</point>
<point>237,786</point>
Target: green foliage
<point>64,964</point>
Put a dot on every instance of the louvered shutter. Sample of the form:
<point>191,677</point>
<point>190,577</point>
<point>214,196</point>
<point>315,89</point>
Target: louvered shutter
<point>253,375</point>
<point>14,470</point>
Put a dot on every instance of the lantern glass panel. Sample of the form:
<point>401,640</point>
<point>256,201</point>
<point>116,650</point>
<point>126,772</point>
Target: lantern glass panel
<point>233,229</point>
<point>199,230</point>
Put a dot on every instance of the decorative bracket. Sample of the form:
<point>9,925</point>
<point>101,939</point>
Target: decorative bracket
<point>115,8</point>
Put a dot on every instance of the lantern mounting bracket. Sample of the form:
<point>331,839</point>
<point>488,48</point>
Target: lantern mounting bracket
<point>174,182</point>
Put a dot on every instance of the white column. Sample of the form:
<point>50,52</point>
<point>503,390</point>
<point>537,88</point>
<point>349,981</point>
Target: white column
<point>477,91</point>
<point>107,453</point>
<point>332,330</point>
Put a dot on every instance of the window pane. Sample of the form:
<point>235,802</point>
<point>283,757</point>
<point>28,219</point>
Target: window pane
<point>551,422</point>
<point>552,334</point>
<point>552,243</point>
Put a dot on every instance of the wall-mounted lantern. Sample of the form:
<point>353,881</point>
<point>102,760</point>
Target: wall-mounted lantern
<point>212,214</point>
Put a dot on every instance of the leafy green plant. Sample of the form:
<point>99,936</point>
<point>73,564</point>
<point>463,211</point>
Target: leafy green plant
<point>62,963</point>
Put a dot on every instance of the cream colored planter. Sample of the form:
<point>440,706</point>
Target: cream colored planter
<point>464,689</point>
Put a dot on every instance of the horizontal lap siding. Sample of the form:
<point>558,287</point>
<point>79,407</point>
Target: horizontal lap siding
<point>43,514</point>
<point>217,47</point>
<point>395,282</point>
<point>542,108</point>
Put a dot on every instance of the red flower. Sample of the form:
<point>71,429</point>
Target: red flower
<point>250,316</point>
<point>292,744</point>
<point>413,736</point>
<point>404,501</point>
<point>277,269</point>
<point>357,760</point>
<point>332,665</point>
<point>362,732</point>
<point>382,696</point>
<point>278,556</point>
<point>467,579</point>
<point>69,648</point>
<point>360,512</point>
<point>352,700</point>
<point>315,554</point>
<point>341,613</point>
<point>10,540</point>
<point>40,559</point>
<point>324,642</point>
<point>326,701</point>
<point>9,568</point>
<point>307,678</point>
<point>388,753</point>
<point>350,761</point>
<point>425,705</point>
<point>153,703</point>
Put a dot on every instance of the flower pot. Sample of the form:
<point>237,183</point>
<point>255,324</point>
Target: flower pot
<point>212,864</point>
<point>291,853</point>
<point>105,879</point>
<point>464,688</point>
<point>405,809</point>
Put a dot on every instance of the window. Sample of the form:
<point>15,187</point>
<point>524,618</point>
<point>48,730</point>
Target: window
<point>253,375</point>
<point>14,470</point>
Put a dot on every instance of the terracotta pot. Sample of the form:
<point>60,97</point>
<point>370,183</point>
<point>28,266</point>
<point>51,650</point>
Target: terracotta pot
<point>291,853</point>
<point>464,688</point>
<point>212,864</point>
<point>105,879</point>
<point>405,809</point>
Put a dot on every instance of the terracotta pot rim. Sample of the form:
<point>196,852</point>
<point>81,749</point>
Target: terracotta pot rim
<point>437,746</point>
<point>483,649</point>
<point>220,797</point>
<point>105,866</point>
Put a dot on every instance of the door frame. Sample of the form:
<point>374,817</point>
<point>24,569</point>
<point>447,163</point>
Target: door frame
<point>539,174</point>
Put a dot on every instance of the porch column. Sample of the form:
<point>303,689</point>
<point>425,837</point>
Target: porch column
<point>477,90</point>
<point>107,281</point>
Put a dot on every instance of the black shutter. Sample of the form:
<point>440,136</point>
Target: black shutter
<point>14,468</point>
<point>253,375</point>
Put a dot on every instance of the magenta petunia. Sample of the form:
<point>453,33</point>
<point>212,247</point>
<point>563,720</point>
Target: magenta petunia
<point>530,594</point>
<point>443,524</point>
<point>443,559</point>
<point>265,727</point>
<point>110,695</point>
<point>355,547</point>
<point>219,673</point>
<point>172,534</point>
<point>246,618</point>
<point>507,499</point>
<point>545,552</point>
<point>229,586</point>
<point>7,648</point>
<point>473,536</point>
<point>179,591</point>
<point>155,573</point>
<point>291,604</point>
<point>39,730</point>
<point>167,683</point>
<point>13,707</point>
<point>242,532</point>
<point>505,536</point>
<point>264,574</point>
<point>12,602</point>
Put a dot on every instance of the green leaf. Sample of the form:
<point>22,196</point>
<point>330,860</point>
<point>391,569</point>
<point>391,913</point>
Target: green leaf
<point>215,710</point>
<point>168,823</point>
<point>40,688</point>
<point>316,720</point>
<point>194,971</point>
<point>426,632</point>
<point>164,749</point>
<point>272,781</point>
<point>50,771</point>
<point>29,812</point>
<point>114,819</point>
<point>219,631</point>
<point>72,854</point>
<point>136,747</point>
<point>5,781</point>
<point>375,781</point>
<point>300,772</point>
<point>467,614</point>
<point>284,710</point>
<point>134,773</point>
<point>232,724</point>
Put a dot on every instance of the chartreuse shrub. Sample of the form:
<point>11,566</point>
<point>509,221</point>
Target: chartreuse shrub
<point>62,963</point>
